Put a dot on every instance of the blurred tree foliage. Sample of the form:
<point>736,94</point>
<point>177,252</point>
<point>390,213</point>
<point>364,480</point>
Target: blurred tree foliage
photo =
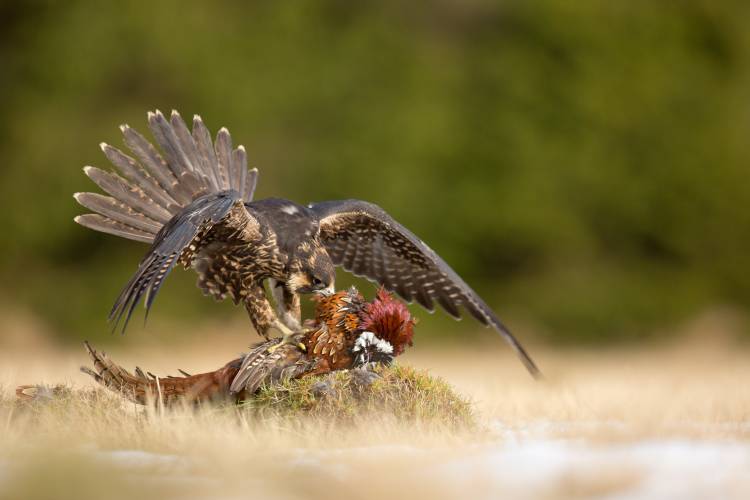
<point>584,164</point>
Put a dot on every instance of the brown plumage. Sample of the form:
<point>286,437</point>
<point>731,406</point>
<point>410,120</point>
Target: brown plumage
<point>193,202</point>
<point>336,342</point>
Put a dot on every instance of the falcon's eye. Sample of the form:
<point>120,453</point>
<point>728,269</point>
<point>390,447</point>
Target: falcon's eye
<point>316,282</point>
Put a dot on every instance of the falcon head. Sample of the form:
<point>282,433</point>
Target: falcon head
<point>314,273</point>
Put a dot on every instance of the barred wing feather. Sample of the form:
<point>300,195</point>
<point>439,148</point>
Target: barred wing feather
<point>150,187</point>
<point>364,239</point>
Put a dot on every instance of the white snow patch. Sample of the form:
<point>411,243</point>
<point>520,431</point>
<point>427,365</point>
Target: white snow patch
<point>678,469</point>
<point>524,464</point>
<point>140,458</point>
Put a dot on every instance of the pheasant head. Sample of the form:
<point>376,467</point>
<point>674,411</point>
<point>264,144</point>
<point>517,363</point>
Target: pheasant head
<point>389,320</point>
<point>375,331</point>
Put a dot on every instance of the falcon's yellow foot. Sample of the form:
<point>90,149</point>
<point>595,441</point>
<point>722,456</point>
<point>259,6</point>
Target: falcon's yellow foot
<point>286,339</point>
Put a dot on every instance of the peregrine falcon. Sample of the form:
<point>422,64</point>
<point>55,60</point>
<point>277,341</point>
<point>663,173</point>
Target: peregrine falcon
<point>193,202</point>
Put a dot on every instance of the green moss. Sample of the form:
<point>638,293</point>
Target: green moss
<point>402,393</point>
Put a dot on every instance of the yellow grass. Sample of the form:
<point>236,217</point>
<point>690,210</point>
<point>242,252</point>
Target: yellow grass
<point>586,431</point>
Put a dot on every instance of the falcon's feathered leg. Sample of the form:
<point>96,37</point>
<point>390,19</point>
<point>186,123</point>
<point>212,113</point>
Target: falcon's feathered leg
<point>263,318</point>
<point>288,305</point>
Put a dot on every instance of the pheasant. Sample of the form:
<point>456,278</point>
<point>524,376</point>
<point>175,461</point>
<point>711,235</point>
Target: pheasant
<point>348,332</point>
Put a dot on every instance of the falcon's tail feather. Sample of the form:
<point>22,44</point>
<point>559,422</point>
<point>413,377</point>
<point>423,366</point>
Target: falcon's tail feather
<point>149,188</point>
<point>143,389</point>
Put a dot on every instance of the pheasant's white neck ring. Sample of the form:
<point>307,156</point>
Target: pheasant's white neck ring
<point>367,340</point>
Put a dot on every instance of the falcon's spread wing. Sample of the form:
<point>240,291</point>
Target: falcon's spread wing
<point>215,218</point>
<point>364,239</point>
<point>180,197</point>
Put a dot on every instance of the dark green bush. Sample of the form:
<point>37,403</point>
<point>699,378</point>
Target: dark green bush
<point>584,164</point>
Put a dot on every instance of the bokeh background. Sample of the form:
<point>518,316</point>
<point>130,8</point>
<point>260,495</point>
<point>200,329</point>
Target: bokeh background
<point>584,165</point>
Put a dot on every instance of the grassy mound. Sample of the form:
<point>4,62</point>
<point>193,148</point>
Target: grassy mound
<point>402,393</point>
<point>399,394</point>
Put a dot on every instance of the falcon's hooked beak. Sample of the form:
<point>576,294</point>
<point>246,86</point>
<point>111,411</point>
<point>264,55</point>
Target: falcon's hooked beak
<point>326,292</point>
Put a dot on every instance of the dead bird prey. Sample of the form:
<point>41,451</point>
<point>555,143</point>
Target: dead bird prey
<point>348,333</point>
<point>193,202</point>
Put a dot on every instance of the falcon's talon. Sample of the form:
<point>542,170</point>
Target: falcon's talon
<point>274,347</point>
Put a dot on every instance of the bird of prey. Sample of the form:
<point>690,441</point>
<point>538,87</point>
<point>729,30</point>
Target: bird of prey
<point>193,202</point>
<point>348,333</point>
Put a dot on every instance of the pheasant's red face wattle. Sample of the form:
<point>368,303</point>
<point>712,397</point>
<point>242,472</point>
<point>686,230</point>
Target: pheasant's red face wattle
<point>390,320</point>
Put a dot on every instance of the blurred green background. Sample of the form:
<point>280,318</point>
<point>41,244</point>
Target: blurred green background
<point>585,165</point>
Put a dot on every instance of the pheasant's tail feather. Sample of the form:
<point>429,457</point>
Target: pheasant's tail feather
<point>115,378</point>
<point>169,390</point>
<point>152,186</point>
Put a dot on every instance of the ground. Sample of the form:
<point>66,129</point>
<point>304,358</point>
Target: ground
<point>670,421</point>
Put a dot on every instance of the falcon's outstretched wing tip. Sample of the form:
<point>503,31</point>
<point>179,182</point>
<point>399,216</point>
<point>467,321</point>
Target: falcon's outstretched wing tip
<point>363,239</point>
<point>520,351</point>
